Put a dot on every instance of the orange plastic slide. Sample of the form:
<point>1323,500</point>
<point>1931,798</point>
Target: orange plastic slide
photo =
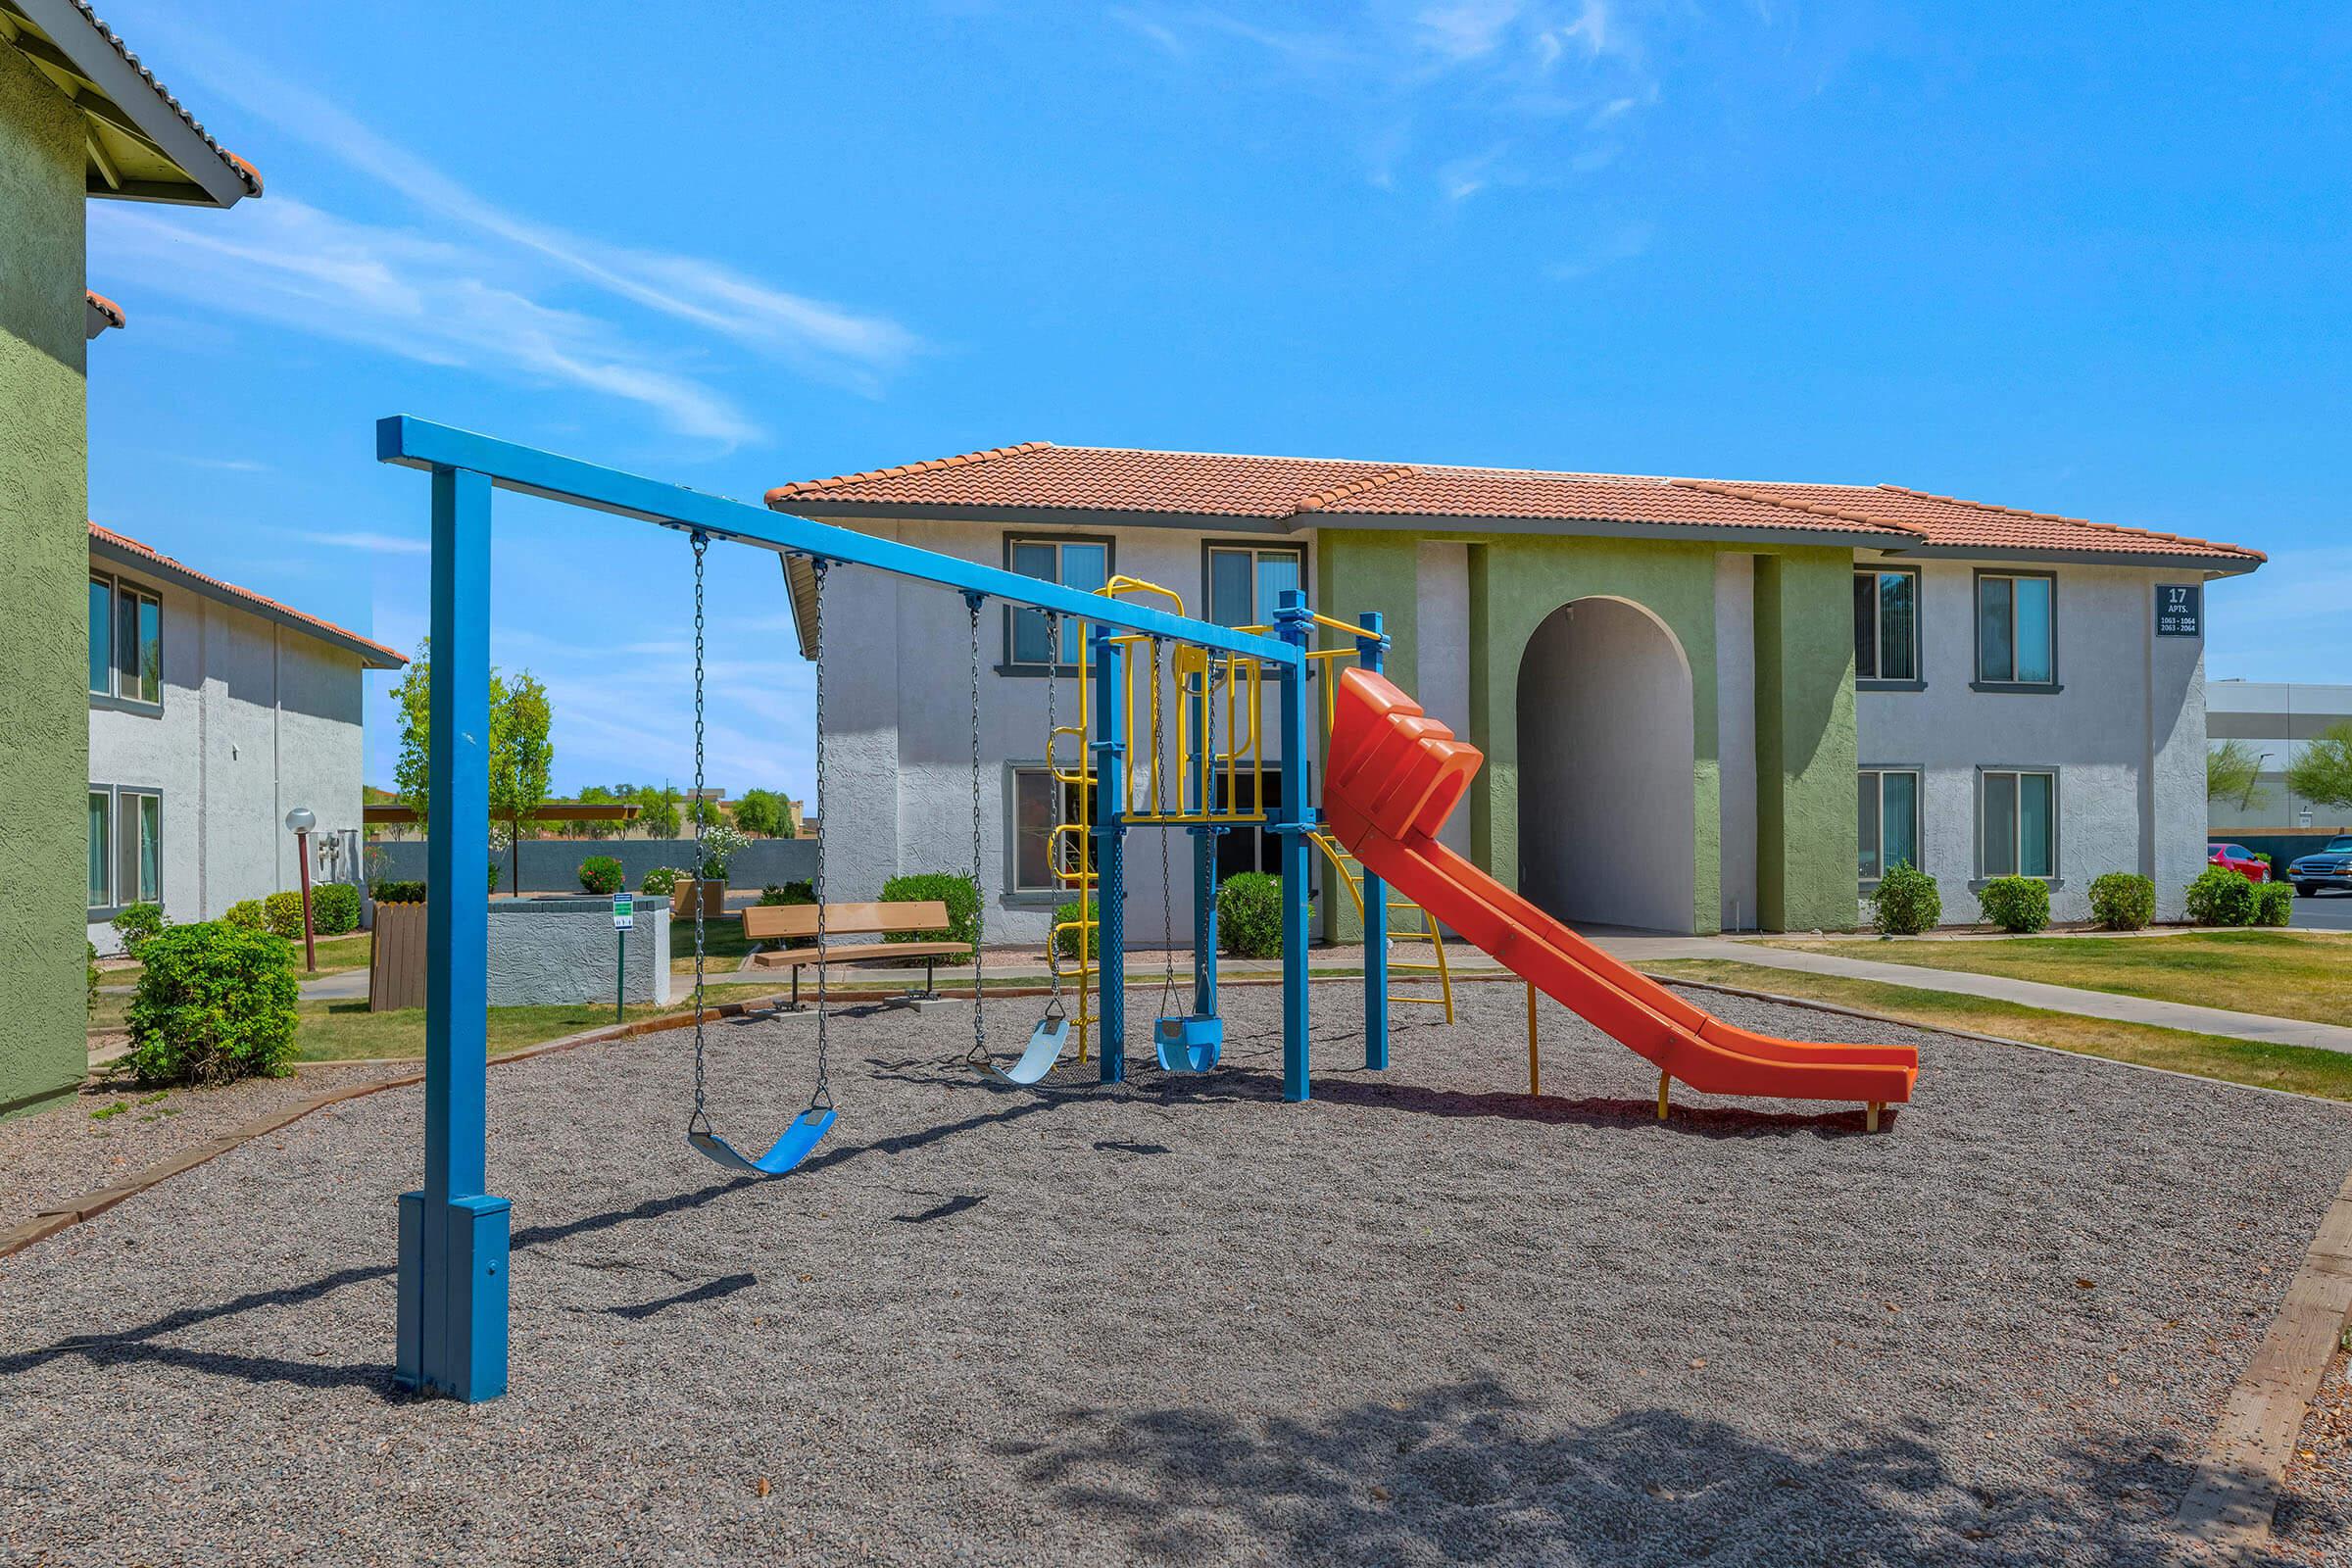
<point>1395,775</point>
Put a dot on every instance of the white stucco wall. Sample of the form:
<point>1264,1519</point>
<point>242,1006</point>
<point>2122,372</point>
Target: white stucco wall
<point>2126,734</point>
<point>257,718</point>
<point>897,779</point>
<point>1604,740</point>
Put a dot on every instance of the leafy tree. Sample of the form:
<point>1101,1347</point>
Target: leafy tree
<point>2322,772</point>
<point>595,795</point>
<point>521,752</point>
<point>2231,773</point>
<point>657,810</point>
<point>762,811</point>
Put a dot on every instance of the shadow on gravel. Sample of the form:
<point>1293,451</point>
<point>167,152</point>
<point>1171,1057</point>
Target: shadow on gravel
<point>1690,1121</point>
<point>708,1291</point>
<point>1458,1472</point>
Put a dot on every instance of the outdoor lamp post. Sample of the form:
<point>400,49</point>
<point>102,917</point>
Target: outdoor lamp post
<point>300,821</point>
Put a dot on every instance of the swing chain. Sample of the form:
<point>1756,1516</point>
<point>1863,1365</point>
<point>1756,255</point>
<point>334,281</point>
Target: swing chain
<point>824,1095</point>
<point>978,1055</point>
<point>699,1121</point>
<point>1167,895</point>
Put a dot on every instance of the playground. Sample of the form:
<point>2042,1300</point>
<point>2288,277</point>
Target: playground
<point>1420,1317</point>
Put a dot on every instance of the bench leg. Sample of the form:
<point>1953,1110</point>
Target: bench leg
<point>795,988</point>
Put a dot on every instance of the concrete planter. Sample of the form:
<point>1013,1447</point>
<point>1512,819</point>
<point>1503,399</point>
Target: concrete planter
<point>681,899</point>
<point>550,952</point>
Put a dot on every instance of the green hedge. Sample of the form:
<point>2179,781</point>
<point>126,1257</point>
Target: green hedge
<point>2274,903</point>
<point>1065,943</point>
<point>957,891</point>
<point>2222,897</point>
<point>790,893</point>
<point>246,915</point>
<point>281,912</point>
<point>2122,900</point>
<point>215,1002</point>
<point>1250,915</point>
<point>660,881</point>
<point>334,909</point>
<point>602,873</point>
<point>2019,904</point>
<point>394,893</point>
<point>1906,901</point>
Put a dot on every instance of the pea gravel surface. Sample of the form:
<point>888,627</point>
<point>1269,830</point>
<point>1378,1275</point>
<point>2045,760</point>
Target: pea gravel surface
<point>1420,1319</point>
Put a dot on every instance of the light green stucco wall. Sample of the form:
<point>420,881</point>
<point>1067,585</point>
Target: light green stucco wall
<point>44,555</point>
<point>1804,692</point>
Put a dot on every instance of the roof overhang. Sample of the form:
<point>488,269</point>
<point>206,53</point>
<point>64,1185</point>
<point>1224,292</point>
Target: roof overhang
<point>162,568</point>
<point>139,144</point>
<point>2147,560</point>
<point>98,313</point>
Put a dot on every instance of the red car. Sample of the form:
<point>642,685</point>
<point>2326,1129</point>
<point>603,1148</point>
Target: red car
<point>2238,858</point>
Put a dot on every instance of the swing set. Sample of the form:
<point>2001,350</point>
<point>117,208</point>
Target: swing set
<point>452,1335</point>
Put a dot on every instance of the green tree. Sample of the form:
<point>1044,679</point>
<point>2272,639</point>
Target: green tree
<point>657,810</point>
<point>761,812</point>
<point>2322,772</point>
<point>2232,772</point>
<point>521,752</point>
<point>595,795</point>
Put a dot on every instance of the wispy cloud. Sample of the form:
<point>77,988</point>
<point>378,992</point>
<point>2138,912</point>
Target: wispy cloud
<point>1621,243</point>
<point>374,544</point>
<point>495,290</point>
<point>228,465</point>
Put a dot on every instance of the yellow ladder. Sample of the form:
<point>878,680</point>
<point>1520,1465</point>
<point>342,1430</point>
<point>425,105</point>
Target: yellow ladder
<point>1351,872</point>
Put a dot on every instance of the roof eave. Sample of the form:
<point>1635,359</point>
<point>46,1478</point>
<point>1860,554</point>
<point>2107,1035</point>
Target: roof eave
<point>371,654</point>
<point>2152,560</point>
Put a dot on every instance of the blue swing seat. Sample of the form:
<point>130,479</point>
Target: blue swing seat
<point>1189,1043</point>
<point>1046,1043</point>
<point>786,1151</point>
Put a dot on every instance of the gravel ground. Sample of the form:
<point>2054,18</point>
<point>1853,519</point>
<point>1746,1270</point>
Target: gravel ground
<point>2316,1509</point>
<point>1420,1319</point>
<point>80,1145</point>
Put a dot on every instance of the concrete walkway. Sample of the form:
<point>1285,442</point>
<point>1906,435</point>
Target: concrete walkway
<point>1637,948</point>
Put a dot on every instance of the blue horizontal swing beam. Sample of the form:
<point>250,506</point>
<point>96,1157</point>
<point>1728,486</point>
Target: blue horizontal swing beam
<point>413,443</point>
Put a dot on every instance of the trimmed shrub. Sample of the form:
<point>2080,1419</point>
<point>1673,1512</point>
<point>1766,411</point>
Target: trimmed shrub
<point>92,978</point>
<point>281,912</point>
<point>2274,903</point>
<point>602,873</point>
<point>1906,901</point>
<point>396,893</point>
<point>136,923</point>
<point>660,881</point>
<point>959,892</point>
<point>1065,943</point>
<point>793,893</point>
<point>334,909</point>
<point>1250,915</point>
<point>246,915</point>
<point>2019,904</point>
<point>2222,897</point>
<point>2122,900</point>
<point>215,1002</point>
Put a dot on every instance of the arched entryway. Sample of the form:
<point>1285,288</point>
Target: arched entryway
<point>1607,764</point>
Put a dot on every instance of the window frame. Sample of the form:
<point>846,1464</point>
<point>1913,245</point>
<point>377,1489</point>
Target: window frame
<point>2017,772</point>
<point>1006,664</point>
<point>1919,813</point>
<point>121,591</point>
<point>1976,628</point>
<point>1917,680</point>
<point>1256,548</point>
<point>118,796</point>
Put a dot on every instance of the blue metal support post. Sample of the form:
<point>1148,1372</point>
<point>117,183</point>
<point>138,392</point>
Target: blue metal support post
<point>1294,625</point>
<point>451,1302</point>
<point>1110,848</point>
<point>1370,652</point>
<point>1205,920</point>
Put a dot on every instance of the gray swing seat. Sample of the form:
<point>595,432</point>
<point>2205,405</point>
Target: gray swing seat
<point>1045,1045</point>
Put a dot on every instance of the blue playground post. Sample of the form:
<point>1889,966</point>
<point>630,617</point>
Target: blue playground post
<point>1293,624</point>
<point>1110,848</point>
<point>451,1310</point>
<point>1370,652</point>
<point>1205,920</point>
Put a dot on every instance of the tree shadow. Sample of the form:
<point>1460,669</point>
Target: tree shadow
<point>1465,1473</point>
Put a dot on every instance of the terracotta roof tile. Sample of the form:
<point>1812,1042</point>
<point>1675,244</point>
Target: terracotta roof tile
<point>103,306</point>
<point>1038,476</point>
<point>249,176</point>
<point>375,652</point>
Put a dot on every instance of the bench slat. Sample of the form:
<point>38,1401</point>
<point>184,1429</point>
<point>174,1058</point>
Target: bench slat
<point>766,922</point>
<point>862,953</point>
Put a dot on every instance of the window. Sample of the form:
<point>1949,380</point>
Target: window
<point>2016,631</point>
<point>1886,624</point>
<point>2018,824</point>
<point>1246,582</point>
<point>1035,816</point>
<point>1083,564</point>
<point>1890,821</point>
<point>126,642</point>
<point>126,847</point>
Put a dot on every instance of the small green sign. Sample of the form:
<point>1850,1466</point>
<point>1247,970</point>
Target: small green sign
<point>624,912</point>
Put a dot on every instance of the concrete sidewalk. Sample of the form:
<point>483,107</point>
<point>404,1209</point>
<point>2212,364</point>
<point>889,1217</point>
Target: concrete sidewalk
<point>1639,948</point>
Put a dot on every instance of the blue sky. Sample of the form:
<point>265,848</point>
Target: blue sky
<point>2087,259</point>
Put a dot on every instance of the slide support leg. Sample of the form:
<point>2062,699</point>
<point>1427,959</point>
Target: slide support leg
<point>1292,624</point>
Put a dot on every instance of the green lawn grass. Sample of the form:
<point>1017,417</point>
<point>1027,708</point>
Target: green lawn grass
<point>724,944</point>
<point>2287,974</point>
<point>2304,1069</point>
<point>341,1031</point>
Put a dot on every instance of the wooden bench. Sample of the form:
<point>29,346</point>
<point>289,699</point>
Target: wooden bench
<point>777,923</point>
